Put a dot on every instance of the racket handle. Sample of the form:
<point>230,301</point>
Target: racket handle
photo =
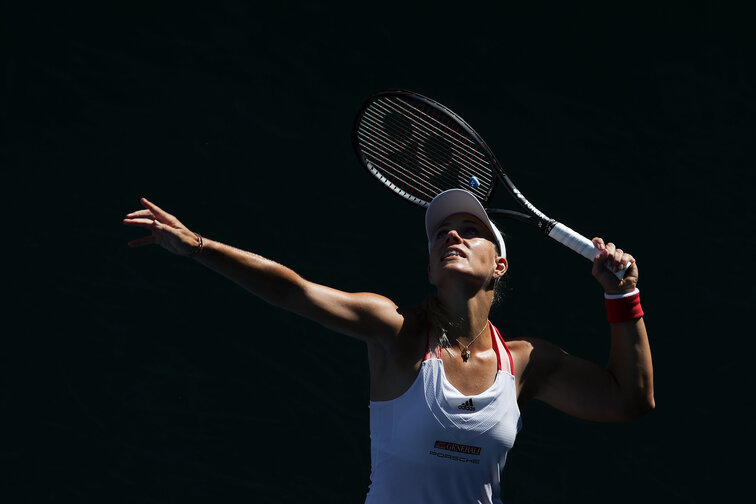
<point>580,244</point>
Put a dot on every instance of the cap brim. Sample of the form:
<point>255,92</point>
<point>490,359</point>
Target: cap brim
<point>456,201</point>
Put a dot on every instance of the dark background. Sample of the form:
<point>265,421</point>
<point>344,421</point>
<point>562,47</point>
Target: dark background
<point>136,376</point>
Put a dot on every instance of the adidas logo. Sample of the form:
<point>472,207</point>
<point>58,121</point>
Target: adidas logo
<point>467,405</point>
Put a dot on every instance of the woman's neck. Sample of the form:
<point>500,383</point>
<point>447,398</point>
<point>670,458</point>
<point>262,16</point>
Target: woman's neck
<point>468,314</point>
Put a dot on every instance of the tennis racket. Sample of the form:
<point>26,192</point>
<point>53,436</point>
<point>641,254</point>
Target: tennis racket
<point>418,148</point>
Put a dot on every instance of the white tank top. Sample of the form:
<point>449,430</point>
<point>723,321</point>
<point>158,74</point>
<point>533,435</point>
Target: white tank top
<point>433,444</point>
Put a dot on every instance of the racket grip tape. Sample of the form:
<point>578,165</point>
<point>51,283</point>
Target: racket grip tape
<point>580,244</point>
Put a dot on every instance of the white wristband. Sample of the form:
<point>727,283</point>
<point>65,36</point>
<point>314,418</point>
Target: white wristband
<point>620,296</point>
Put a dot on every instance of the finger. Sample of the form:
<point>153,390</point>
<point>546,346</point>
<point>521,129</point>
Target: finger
<point>599,243</point>
<point>141,213</point>
<point>617,259</point>
<point>632,270</point>
<point>627,260</point>
<point>161,214</point>
<point>600,267</point>
<point>609,254</point>
<point>601,258</point>
<point>610,248</point>
<point>149,223</point>
<point>140,242</point>
<point>156,210</point>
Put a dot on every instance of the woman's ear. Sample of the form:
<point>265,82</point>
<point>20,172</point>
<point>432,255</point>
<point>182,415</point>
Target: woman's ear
<point>501,267</point>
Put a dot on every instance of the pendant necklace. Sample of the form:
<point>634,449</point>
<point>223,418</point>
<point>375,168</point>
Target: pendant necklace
<point>466,351</point>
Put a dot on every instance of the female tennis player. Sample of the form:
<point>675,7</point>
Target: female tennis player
<point>445,388</point>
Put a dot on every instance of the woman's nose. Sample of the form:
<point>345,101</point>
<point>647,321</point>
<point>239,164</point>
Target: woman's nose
<point>453,237</point>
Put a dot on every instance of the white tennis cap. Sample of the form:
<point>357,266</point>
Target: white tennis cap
<point>456,201</point>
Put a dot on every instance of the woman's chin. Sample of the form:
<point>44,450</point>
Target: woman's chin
<point>452,274</point>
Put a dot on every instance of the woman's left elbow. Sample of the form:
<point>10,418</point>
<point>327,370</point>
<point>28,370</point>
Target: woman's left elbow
<point>641,407</point>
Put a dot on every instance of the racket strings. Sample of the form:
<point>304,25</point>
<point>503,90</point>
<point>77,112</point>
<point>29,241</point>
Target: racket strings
<point>454,137</point>
<point>429,169</point>
<point>400,178</point>
<point>464,145</point>
<point>405,171</point>
<point>421,182</point>
<point>425,118</point>
<point>415,149</point>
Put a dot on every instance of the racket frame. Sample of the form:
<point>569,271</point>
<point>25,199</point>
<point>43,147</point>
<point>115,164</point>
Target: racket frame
<point>532,216</point>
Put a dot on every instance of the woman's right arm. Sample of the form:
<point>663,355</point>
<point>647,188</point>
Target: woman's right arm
<point>365,316</point>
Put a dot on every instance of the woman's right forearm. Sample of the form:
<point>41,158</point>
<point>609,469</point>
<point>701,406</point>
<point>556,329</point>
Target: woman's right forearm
<point>362,315</point>
<point>270,281</point>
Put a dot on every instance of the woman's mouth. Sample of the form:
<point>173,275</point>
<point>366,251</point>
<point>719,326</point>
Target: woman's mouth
<point>451,253</point>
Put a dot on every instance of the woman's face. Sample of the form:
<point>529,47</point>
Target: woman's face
<point>462,246</point>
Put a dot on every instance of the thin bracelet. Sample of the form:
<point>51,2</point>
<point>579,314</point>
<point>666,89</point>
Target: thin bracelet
<point>199,247</point>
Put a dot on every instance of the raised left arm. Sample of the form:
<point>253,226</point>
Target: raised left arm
<point>622,390</point>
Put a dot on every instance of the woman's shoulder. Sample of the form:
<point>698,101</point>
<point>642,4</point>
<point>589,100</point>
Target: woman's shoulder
<point>533,360</point>
<point>405,341</point>
<point>396,322</point>
<point>520,349</point>
<point>527,347</point>
<point>415,318</point>
<point>536,355</point>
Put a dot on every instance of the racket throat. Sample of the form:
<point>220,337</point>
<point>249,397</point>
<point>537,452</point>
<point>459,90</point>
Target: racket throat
<point>547,225</point>
<point>543,223</point>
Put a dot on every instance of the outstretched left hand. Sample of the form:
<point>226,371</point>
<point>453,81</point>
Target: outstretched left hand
<point>165,230</point>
